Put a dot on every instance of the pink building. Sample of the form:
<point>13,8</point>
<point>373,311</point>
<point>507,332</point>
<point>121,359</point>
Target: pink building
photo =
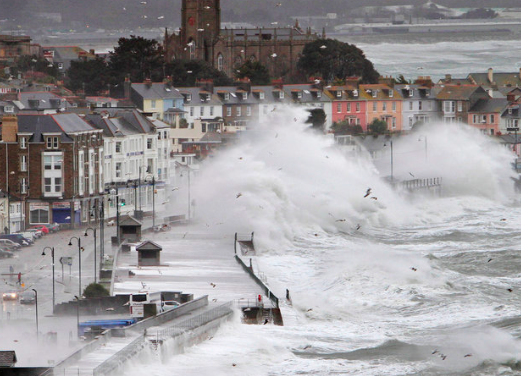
<point>347,105</point>
<point>485,114</point>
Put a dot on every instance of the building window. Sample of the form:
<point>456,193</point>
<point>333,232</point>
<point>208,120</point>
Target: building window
<point>203,127</point>
<point>394,106</point>
<point>261,95</point>
<point>393,123</point>
<point>23,143</point>
<point>118,170</point>
<point>52,142</point>
<point>239,111</point>
<point>460,106</point>
<point>220,62</point>
<point>191,111</point>
<point>248,111</point>
<point>349,107</point>
<point>39,213</point>
<point>118,147</point>
<point>420,105</point>
<point>357,107</point>
<point>384,106</point>
<point>8,108</point>
<point>51,162</point>
<point>228,111</point>
<point>411,121</point>
<point>211,111</point>
<point>244,96</point>
<point>339,94</point>
<point>391,93</point>
<point>449,107</point>
<point>374,93</point>
<point>339,107</point>
<point>23,163</point>
<point>226,96</point>
<point>281,95</point>
<point>410,106</point>
<point>374,106</point>
<point>153,103</point>
<point>149,143</point>
<point>492,119</point>
<point>299,95</point>
<point>201,111</point>
<point>52,185</point>
<point>23,185</point>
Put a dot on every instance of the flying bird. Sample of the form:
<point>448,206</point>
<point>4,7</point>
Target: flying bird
<point>323,46</point>
<point>411,174</point>
<point>358,227</point>
<point>503,219</point>
<point>368,192</point>
<point>273,55</point>
<point>435,352</point>
<point>340,220</point>
<point>278,4</point>
<point>489,260</point>
<point>414,269</point>
<point>443,357</point>
<point>374,198</point>
<point>467,355</point>
<point>144,2</point>
<point>213,284</point>
<point>510,290</point>
<point>160,17</point>
<point>238,195</point>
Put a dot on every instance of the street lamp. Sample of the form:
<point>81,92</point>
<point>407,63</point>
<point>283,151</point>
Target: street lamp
<point>188,170</point>
<point>134,184</point>
<point>140,192</point>
<point>424,139</point>
<point>392,166</point>
<point>53,290</point>
<point>79,261</point>
<point>153,199</point>
<point>86,234</point>
<point>36,303</point>
<point>116,191</point>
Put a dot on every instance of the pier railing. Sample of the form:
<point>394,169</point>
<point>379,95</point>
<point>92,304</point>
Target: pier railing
<point>421,183</point>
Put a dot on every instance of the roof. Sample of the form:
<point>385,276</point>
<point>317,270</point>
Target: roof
<point>7,358</point>
<point>120,122</point>
<point>196,94</point>
<point>45,100</point>
<point>57,123</point>
<point>417,91</point>
<point>491,105</point>
<point>511,79</point>
<point>129,221</point>
<point>68,52</point>
<point>148,245</point>
<point>382,92</point>
<point>458,92</point>
<point>156,90</point>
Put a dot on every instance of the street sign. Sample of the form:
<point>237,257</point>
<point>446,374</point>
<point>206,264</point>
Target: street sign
<point>512,129</point>
<point>66,261</point>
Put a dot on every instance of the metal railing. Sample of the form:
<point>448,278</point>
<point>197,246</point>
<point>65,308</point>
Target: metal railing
<point>259,282</point>
<point>195,322</point>
<point>421,183</point>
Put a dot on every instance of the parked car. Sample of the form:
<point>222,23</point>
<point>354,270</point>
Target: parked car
<point>28,235</point>
<point>42,228</point>
<point>28,297</point>
<point>10,295</point>
<point>17,238</point>
<point>10,244</point>
<point>36,233</point>
<point>167,305</point>
<point>54,227</point>
<point>4,253</point>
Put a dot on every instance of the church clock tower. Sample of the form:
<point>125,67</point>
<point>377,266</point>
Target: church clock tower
<point>200,27</point>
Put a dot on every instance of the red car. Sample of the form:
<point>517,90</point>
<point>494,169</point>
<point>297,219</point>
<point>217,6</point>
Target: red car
<point>42,228</point>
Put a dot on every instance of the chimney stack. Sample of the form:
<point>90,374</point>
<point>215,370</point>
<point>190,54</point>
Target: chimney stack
<point>9,128</point>
<point>126,87</point>
<point>490,75</point>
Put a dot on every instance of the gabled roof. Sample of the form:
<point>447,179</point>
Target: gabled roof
<point>156,90</point>
<point>383,92</point>
<point>129,221</point>
<point>511,79</point>
<point>7,358</point>
<point>58,123</point>
<point>458,92</point>
<point>491,105</point>
<point>120,122</point>
<point>149,245</point>
<point>46,100</point>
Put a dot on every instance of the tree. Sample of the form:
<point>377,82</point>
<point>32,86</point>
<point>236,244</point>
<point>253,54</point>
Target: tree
<point>344,128</point>
<point>187,72</point>
<point>34,64</point>
<point>137,58</point>
<point>255,71</point>
<point>95,290</point>
<point>378,126</point>
<point>317,118</point>
<point>331,59</point>
<point>92,75</point>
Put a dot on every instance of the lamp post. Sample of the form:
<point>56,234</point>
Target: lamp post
<point>392,164</point>
<point>153,199</point>
<point>140,192</point>
<point>53,290</point>
<point>36,303</point>
<point>115,191</point>
<point>134,184</point>
<point>86,234</point>
<point>424,139</point>
<point>79,262</point>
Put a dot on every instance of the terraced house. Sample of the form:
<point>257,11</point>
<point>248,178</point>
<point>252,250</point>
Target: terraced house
<point>383,103</point>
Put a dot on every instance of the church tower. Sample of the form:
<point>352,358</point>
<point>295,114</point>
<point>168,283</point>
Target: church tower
<point>200,27</point>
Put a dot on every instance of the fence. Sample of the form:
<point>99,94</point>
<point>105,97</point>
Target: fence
<point>266,289</point>
<point>421,183</point>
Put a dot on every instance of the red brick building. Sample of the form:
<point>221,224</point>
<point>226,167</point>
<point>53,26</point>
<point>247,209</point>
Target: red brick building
<point>53,165</point>
<point>202,38</point>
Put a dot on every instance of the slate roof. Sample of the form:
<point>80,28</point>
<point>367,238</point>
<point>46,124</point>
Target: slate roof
<point>196,95</point>
<point>57,123</point>
<point>149,245</point>
<point>156,90</point>
<point>308,93</point>
<point>46,100</point>
<point>486,106</point>
<point>382,92</point>
<point>120,122</point>
<point>418,91</point>
<point>129,221</point>
<point>499,78</point>
<point>457,92</point>
<point>7,358</point>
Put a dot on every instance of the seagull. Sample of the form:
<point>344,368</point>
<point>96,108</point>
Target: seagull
<point>238,195</point>
<point>340,220</point>
<point>489,260</point>
<point>160,17</point>
<point>503,219</point>
<point>510,290</point>
<point>109,309</point>
<point>214,300</point>
<point>414,269</point>
<point>207,7</point>
<point>358,227</point>
<point>144,2</point>
<point>374,198</point>
<point>144,285</point>
<point>443,357</point>
<point>273,55</point>
<point>411,174</point>
<point>467,355</point>
<point>307,347</point>
<point>233,364</point>
<point>368,192</point>
<point>323,46</point>
<point>274,23</point>
<point>294,119</point>
<point>213,284</point>
<point>309,310</point>
<point>200,29</point>
<point>278,4</point>
<point>434,352</point>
